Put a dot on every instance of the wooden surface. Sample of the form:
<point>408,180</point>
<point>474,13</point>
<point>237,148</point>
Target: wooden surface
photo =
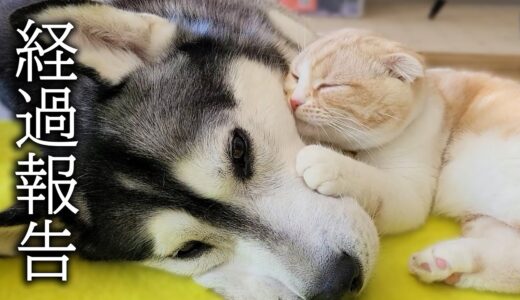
<point>503,65</point>
<point>461,27</point>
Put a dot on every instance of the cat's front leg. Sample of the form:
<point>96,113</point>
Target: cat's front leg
<point>333,174</point>
<point>398,199</point>
<point>320,168</point>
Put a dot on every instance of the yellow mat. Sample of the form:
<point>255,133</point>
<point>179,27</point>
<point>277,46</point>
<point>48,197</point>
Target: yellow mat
<point>127,281</point>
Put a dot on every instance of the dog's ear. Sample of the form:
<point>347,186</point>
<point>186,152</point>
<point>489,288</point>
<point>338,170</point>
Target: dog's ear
<point>111,41</point>
<point>17,215</point>
<point>13,223</point>
<point>15,220</point>
<point>10,238</point>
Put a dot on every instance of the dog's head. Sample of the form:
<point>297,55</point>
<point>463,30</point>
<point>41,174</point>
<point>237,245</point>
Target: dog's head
<point>187,152</point>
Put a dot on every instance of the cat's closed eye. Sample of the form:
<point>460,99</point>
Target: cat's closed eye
<point>325,86</point>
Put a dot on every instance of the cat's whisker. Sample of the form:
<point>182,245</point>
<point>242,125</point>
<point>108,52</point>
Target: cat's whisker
<point>343,123</point>
<point>339,114</point>
<point>365,134</point>
<point>320,126</point>
<point>347,130</point>
<point>390,116</point>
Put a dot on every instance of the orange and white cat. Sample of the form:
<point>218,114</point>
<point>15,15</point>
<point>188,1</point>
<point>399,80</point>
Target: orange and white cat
<point>424,140</point>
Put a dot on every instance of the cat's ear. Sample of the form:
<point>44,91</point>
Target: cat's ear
<point>111,41</point>
<point>404,66</point>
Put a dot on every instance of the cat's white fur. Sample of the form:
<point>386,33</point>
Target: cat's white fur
<point>470,167</point>
<point>398,182</point>
<point>394,182</point>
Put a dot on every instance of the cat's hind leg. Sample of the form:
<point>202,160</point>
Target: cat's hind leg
<point>481,177</point>
<point>486,257</point>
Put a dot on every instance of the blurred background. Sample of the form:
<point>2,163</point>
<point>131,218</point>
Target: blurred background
<point>469,34</point>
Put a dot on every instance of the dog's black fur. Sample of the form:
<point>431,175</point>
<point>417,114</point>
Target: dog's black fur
<point>105,122</point>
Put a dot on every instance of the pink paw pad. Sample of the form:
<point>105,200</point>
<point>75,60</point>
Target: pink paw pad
<point>441,263</point>
<point>453,279</point>
<point>425,267</point>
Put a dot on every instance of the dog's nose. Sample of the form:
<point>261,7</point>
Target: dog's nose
<point>344,278</point>
<point>295,103</point>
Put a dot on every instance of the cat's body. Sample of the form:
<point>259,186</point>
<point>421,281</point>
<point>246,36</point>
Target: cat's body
<point>442,139</point>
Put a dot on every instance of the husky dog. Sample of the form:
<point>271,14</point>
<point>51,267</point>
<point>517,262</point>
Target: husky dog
<point>187,148</point>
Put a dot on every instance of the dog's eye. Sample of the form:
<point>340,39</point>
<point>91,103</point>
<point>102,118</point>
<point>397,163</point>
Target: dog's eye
<point>192,249</point>
<point>238,147</point>
<point>239,153</point>
<point>296,77</point>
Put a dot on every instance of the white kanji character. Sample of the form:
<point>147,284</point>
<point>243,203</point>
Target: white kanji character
<point>47,247</point>
<point>54,117</point>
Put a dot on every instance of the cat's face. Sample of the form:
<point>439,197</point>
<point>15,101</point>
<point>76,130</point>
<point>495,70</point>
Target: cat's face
<point>354,90</point>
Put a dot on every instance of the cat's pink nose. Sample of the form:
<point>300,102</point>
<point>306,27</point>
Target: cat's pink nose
<point>295,103</point>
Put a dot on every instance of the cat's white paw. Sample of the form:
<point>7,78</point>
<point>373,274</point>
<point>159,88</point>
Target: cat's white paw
<point>320,169</point>
<point>440,263</point>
